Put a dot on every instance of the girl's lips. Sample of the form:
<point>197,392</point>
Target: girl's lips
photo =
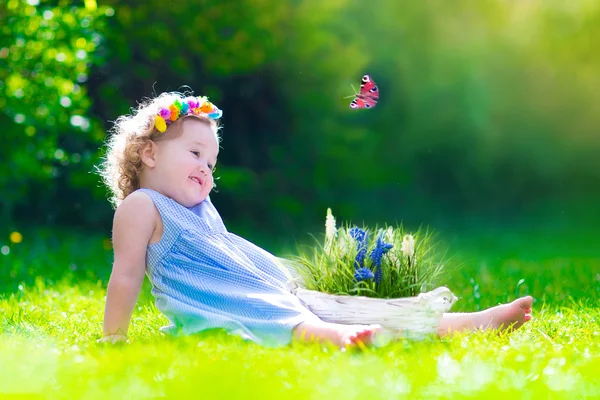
<point>196,179</point>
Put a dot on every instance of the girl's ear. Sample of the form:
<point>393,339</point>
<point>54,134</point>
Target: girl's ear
<point>148,154</point>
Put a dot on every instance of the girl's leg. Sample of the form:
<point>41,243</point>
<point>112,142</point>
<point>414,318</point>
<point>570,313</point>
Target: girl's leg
<point>508,316</point>
<point>340,335</point>
<point>502,317</point>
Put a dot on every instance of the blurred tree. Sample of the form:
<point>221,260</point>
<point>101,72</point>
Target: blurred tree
<point>50,139</point>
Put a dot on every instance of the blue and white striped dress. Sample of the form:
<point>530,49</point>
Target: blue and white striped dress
<point>204,277</point>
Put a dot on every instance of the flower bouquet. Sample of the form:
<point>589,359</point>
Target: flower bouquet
<point>381,276</point>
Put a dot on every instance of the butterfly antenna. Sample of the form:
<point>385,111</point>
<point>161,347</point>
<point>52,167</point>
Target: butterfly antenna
<point>355,93</point>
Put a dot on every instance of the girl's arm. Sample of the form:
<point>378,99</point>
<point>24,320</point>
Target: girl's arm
<point>134,223</point>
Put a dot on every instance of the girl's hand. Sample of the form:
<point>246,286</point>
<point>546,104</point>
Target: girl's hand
<point>112,339</point>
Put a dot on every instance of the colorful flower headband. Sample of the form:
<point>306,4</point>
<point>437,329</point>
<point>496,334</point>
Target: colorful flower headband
<point>187,106</point>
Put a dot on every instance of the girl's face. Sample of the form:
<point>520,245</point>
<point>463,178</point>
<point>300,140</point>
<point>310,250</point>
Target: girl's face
<point>183,165</point>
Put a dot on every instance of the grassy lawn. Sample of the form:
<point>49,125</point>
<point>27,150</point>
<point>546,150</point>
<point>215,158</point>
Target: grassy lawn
<point>48,328</point>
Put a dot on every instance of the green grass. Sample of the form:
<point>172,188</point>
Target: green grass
<point>52,288</point>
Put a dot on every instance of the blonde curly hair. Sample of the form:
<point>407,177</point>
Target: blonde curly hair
<point>121,167</point>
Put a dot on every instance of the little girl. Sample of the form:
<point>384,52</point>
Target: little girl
<point>159,168</point>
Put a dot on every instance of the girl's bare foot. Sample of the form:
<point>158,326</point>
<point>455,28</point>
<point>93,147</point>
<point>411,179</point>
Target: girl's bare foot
<point>340,335</point>
<point>508,316</point>
<point>504,317</point>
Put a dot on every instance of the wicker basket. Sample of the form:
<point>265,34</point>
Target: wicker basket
<point>411,317</point>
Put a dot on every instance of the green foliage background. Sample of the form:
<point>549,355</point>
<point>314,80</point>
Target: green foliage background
<point>488,110</point>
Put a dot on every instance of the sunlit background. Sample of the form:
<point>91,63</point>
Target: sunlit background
<point>488,114</point>
<point>487,131</point>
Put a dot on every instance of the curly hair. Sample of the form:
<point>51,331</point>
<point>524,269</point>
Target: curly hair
<point>121,167</point>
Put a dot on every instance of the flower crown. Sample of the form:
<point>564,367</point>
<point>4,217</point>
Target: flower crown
<point>182,107</point>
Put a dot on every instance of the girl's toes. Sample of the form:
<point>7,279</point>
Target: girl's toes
<point>370,329</point>
<point>361,336</point>
<point>366,335</point>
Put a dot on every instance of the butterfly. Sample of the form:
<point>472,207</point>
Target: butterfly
<point>368,96</point>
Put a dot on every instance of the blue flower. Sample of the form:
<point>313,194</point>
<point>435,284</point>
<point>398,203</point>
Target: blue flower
<point>361,237</point>
<point>362,274</point>
<point>380,249</point>
<point>358,234</point>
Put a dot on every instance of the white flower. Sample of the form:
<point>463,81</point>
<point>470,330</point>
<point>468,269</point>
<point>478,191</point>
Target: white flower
<point>391,255</point>
<point>330,232</point>
<point>344,243</point>
<point>408,246</point>
<point>389,235</point>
